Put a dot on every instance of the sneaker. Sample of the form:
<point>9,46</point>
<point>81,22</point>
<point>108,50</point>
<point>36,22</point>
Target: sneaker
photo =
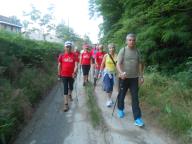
<point>111,102</point>
<point>120,113</point>
<point>108,103</point>
<point>66,108</point>
<point>139,122</point>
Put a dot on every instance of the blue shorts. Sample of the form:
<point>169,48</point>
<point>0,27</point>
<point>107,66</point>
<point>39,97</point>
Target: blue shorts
<point>108,83</point>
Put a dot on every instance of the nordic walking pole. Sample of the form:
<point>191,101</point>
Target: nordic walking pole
<point>75,85</point>
<point>76,91</point>
<point>116,98</point>
<point>115,105</point>
<point>60,86</point>
<point>79,71</point>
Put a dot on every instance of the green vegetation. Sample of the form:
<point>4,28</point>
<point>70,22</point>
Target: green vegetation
<point>170,101</point>
<point>27,71</point>
<point>163,28</point>
<point>94,111</point>
<point>164,34</point>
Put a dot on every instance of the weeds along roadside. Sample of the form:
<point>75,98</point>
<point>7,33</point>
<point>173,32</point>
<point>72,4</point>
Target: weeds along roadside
<point>169,100</point>
<point>27,71</point>
<point>94,111</point>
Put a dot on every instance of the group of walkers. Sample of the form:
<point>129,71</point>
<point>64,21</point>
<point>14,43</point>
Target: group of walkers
<point>127,65</point>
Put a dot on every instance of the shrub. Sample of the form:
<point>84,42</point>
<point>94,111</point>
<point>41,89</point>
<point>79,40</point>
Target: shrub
<point>27,71</point>
<point>171,96</point>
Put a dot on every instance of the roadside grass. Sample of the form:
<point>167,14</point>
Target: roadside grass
<point>170,101</point>
<point>27,72</point>
<point>94,111</point>
<point>17,103</point>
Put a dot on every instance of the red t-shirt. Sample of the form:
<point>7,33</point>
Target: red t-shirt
<point>67,61</point>
<point>86,58</point>
<point>98,58</point>
<point>77,55</point>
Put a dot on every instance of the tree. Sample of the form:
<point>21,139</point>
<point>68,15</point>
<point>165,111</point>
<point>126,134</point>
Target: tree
<point>65,33</point>
<point>26,30</point>
<point>86,39</point>
<point>163,28</point>
<point>111,12</point>
<point>41,23</point>
<point>46,25</point>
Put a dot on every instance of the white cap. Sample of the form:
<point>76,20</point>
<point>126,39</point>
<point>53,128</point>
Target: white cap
<point>68,43</point>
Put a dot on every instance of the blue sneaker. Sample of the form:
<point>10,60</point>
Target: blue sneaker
<point>120,113</point>
<point>139,122</point>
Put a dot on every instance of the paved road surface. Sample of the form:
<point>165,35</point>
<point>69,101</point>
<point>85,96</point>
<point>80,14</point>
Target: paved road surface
<point>50,125</point>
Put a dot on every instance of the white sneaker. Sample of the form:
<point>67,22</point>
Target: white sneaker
<point>111,102</point>
<point>108,103</point>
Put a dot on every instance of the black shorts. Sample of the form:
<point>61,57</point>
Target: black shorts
<point>68,84</point>
<point>86,69</point>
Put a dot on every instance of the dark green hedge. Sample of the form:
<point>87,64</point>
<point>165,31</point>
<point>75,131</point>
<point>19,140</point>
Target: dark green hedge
<point>163,29</point>
<point>27,70</point>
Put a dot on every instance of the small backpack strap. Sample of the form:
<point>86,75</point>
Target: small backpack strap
<point>112,59</point>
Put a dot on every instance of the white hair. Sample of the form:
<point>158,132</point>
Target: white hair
<point>130,35</point>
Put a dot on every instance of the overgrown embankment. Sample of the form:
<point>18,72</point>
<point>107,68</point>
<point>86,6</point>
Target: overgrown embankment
<point>27,71</point>
<point>94,111</point>
<point>169,101</point>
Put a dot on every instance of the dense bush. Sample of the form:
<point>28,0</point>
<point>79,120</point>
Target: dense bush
<point>171,100</point>
<point>27,70</point>
<point>164,34</point>
<point>163,28</point>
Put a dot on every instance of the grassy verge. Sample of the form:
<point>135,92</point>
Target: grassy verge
<point>17,103</point>
<point>27,72</point>
<point>170,101</point>
<point>94,111</point>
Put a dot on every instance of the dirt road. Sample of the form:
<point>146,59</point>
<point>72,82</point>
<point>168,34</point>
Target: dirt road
<point>50,125</point>
<point>123,130</point>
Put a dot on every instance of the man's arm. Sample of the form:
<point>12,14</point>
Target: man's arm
<point>141,72</point>
<point>119,68</point>
<point>119,64</point>
<point>141,69</point>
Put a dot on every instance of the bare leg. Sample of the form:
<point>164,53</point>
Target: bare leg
<point>66,107</point>
<point>109,95</point>
<point>109,100</point>
<point>70,96</point>
<point>84,80</point>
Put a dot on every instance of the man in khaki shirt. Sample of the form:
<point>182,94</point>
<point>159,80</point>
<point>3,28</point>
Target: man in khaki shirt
<point>130,67</point>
